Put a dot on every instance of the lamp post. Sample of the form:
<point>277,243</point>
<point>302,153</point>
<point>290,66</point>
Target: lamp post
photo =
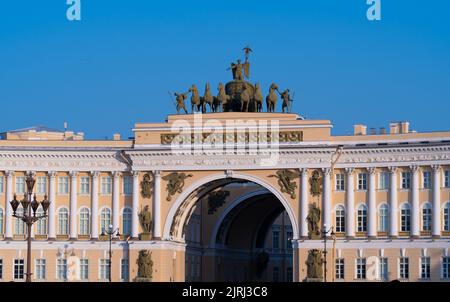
<point>325,232</point>
<point>110,232</point>
<point>30,205</point>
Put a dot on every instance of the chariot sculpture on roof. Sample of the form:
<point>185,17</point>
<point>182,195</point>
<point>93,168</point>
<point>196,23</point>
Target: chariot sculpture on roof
<point>238,95</point>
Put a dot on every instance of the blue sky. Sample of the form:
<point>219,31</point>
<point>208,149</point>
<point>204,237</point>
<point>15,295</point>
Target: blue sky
<point>115,66</point>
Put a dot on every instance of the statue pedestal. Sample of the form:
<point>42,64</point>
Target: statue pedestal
<point>138,279</point>
<point>145,236</point>
<point>313,280</point>
<point>314,236</point>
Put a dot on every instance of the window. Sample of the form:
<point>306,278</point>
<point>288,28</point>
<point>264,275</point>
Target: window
<point>40,269</point>
<point>289,274</point>
<point>404,268</point>
<point>425,268</point>
<point>383,216</point>
<point>362,218</point>
<point>289,236</point>
<point>447,217</point>
<point>104,269</point>
<point>124,270</point>
<point>361,268</point>
<point>105,219</point>
<point>339,268</point>
<point>1,269</point>
<point>276,274</point>
<point>405,217</point>
<point>275,240</point>
<point>126,221</point>
<point>2,184</point>
<point>41,224</point>
<point>85,183</point>
<point>19,267</point>
<point>426,217</point>
<point>1,221</point>
<point>384,181</point>
<point>446,267</point>
<point>127,185</point>
<point>362,181</point>
<point>427,180</point>
<point>63,221</point>
<point>41,187</point>
<point>383,268</point>
<point>406,180</point>
<point>19,225</point>
<point>61,269</point>
<point>63,185</point>
<point>84,269</point>
<point>340,219</point>
<point>340,182</point>
<point>106,185</point>
<point>447,179</point>
<point>84,221</point>
<point>20,185</point>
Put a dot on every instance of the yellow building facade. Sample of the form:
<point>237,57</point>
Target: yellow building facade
<point>214,206</point>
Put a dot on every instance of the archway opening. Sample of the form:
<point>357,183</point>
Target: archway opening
<point>237,230</point>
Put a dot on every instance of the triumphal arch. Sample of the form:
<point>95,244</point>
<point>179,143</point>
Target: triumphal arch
<point>199,196</point>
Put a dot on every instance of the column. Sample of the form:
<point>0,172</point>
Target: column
<point>51,208</point>
<point>372,205</point>
<point>115,200</point>
<point>415,209</point>
<point>157,205</point>
<point>73,204</point>
<point>326,197</point>
<point>8,208</point>
<point>135,210</point>
<point>393,206</point>
<point>436,211</point>
<point>350,206</point>
<point>304,204</point>
<point>94,205</point>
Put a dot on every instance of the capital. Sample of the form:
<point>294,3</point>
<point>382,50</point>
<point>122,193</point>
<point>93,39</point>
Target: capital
<point>95,174</point>
<point>116,174</point>
<point>229,173</point>
<point>414,168</point>
<point>52,174</point>
<point>326,171</point>
<point>392,170</point>
<point>436,168</point>
<point>304,171</point>
<point>9,173</point>
<point>371,170</point>
<point>73,174</point>
<point>135,174</point>
<point>349,170</point>
<point>156,173</point>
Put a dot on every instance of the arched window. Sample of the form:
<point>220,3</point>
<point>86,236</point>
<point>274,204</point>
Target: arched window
<point>19,225</point>
<point>383,218</point>
<point>84,221</point>
<point>405,217</point>
<point>126,221</point>
<point>1,221</point>
<point>105,219</point>
<point>41,224</point>
<point>340,219</point>
<point>63,221</point>
<point>447,217</point>
<point>362,218</point>
<point>426,217</point>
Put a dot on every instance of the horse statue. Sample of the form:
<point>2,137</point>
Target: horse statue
<point>196,102</point>
<point>221,100</point>
<point>258,98</point>
<point>207,99</point>
<point>245,99</point>
<point>271,99</point>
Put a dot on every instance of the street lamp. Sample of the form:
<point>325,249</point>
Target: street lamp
<point>325,232</point>
<point>110,232</point>
<point>29,203</point>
